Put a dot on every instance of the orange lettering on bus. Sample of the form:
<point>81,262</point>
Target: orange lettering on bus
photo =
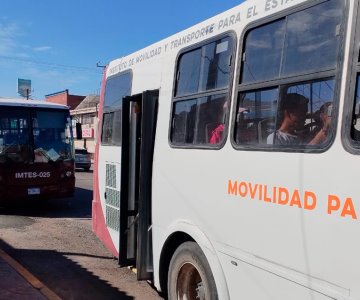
<point>232,188</point>
<point>274,194</point>
<point>333,203</point>
<point>309,200</point>
<point>295,199</point>
<point>266,197</point>
<point>283,196</point>
<point>243,189</point>
<point>253,190</point>
<point>349,209</point>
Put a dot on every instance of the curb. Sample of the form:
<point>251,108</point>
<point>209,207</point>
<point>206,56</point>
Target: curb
<point>30,278</point>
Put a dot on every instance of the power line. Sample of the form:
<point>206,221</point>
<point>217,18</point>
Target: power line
<point>54,65</point>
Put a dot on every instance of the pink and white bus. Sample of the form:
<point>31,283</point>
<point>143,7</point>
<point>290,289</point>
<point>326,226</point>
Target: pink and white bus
<point>226,160</point>
<point>36,150</point>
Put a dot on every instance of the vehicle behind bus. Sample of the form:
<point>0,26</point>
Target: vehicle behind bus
<point>36,151</point>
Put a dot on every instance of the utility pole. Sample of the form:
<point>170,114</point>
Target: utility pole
<point>100,66</point>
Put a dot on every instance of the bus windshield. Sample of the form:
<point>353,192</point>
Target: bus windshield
<point>34,135</point>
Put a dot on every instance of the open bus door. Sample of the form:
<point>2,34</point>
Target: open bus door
<point>138,135</point>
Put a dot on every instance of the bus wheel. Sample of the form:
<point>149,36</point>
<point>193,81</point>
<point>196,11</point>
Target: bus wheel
<point>189,275</point>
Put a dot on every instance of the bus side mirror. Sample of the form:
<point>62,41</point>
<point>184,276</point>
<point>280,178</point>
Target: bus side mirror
<point>78,131</point>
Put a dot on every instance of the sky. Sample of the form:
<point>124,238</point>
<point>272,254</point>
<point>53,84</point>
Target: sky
<point>58,44</point>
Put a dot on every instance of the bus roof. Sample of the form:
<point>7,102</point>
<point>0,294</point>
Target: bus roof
<point>30,103</point>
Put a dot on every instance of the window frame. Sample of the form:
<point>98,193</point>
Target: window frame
<point>289,80</point>
<point>349,144</point>
<point>213,92</point>
<point>112,110</point>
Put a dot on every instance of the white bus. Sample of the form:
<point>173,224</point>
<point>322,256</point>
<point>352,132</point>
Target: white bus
<point>225,166</point>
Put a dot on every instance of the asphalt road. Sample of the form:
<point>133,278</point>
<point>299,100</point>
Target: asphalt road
<point>54,241</point>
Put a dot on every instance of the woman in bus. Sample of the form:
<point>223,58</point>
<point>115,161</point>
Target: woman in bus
<point>217,133</point>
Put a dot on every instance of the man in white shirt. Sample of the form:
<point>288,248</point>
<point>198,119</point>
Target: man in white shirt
<point>294,109</point>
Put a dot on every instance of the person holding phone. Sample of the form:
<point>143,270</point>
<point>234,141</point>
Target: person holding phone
<point>293,129</point>
<point>320,134</point>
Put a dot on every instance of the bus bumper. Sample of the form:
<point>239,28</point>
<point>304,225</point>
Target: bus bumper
<point>63,189</point>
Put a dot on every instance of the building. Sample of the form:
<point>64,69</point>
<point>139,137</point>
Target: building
<point>63,97</point>
<point>86,113</point>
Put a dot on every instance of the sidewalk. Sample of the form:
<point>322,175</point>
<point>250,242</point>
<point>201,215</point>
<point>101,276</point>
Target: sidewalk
<point>18,283</point>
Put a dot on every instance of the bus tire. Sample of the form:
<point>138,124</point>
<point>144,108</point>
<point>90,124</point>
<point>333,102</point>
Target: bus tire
<point>190,276</point>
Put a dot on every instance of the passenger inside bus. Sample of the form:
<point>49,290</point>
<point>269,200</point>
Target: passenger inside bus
<point>293,129</point>
<point>323,119</point>
<point>217,132</point>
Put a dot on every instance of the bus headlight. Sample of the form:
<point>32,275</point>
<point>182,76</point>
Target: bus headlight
<point>66,174</point>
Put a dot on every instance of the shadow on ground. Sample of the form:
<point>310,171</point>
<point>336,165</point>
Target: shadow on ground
<point>78,206</point>
<point>62,275</point>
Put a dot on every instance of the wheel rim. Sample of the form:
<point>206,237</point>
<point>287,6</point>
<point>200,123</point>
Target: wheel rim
<point>189,284</point>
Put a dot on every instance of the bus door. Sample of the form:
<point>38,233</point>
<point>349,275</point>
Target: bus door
<point>138,135</point>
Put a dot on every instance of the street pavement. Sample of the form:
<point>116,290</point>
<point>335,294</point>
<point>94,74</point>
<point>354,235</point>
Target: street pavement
<point>18,283</point>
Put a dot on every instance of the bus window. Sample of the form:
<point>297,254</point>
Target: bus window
<point>268,115</point>
<point>261,59</point>
<point>283,48</point>
<point>195,120</point>
<point>116,89</point>
<point>351,117</point>
<point>107,128</point>
<point>182,121</point>
<point>189,73</point>
<point>14,135</point>
<point>312,46</point>
<point>310,126</point>
<point>51,140</point>
<point>198,119</point>
<point>355,130</point>
<point>262,119</point>
<point>256,114</point>
<point>205,68</point>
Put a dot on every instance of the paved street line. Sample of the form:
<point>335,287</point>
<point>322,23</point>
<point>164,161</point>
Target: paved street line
<point>36,283</point>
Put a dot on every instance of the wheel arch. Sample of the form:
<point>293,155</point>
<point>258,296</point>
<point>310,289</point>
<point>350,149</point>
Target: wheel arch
<point>185,232</point>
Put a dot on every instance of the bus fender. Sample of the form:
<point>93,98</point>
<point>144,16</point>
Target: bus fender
<point>207,247</point>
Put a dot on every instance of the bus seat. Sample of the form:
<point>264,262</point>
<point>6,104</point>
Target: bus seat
<point>246,133</point>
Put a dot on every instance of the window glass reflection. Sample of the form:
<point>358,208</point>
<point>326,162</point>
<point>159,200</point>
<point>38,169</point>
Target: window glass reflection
<point>116,89</point>
<point>304,42</point>
<point>256,115</point>
<point>312,39</point>
<point>262,54</point>
<point>205,68</point>
<point>200,121</point>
